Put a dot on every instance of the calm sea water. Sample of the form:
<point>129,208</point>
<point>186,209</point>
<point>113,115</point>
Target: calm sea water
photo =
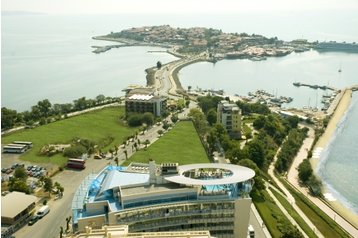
<point>50,57</point>
<point>338,167</point>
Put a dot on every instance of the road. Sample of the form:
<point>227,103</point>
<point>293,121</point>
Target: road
<point>49,226</point>
<point>164,81</point>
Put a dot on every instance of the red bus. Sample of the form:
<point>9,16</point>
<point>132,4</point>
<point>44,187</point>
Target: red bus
<point>75,165</point>
<point>79,161</point>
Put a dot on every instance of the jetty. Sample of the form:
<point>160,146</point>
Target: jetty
<point>314,86</point>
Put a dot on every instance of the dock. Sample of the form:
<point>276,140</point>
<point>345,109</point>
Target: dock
<point>314,86</point>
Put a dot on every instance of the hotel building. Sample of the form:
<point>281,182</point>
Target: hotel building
<point>167,197</point>
<point>143,100</point>
<point>121,231</point>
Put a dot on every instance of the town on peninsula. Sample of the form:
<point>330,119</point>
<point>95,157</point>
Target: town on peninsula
<point>165,161</point>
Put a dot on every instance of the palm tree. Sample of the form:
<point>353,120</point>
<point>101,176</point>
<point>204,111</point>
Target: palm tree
<point>146,142</point>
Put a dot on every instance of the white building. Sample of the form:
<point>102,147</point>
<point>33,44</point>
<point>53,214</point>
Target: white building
<point>153,198</point>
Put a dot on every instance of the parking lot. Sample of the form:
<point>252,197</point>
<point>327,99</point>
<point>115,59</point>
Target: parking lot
<point>9,162</point>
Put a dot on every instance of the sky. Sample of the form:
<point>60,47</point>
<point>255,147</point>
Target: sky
<point>173,6</point>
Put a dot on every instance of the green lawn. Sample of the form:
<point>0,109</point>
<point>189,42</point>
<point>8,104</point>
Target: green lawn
<point>181,145</point>
<point>294,214</point>
<point>95,126</point>
<point>269,212</point>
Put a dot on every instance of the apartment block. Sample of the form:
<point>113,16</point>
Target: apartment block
<point>229,115</point>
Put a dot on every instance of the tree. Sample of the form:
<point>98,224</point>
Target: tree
<point>159,65</point>
<point>146,143</point>
<point>66,108</point>
<point>211,116</point>
<point>20,173</point>
<point>187,103</point>
<point>44,107</point>
<point>134,119</point>
<point>35,113</point>
<point>259,122</point>
<point>199,120</point>
<point>291,232</point>
<point>59,188</point>
<point>68,219</point>
<point>259,182</point>
<point>18,185</point>
<point>74,151</point>
<point>8,118</point>
<point>80,104</point>
<point>174,118</point>
<point>256,153</point>
<point>305,171</point>
<point>100,98</point>
<point>148,118</point>
<point>160,132</point>
<point>208,102</point>
<point>48,185</point>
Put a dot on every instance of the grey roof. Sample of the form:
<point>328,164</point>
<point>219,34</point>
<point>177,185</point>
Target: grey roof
<point>116,178</point>
<point>239,174</point>
<point>14,203</point>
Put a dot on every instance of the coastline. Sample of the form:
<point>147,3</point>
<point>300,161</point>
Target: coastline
<point>322,143</point>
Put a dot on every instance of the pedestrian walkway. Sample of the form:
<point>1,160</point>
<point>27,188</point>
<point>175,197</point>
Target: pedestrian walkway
<point>289,196</point>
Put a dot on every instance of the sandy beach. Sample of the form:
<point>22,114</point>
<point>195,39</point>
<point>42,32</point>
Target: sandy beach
<point>323,142</point>
<point>341,109</point>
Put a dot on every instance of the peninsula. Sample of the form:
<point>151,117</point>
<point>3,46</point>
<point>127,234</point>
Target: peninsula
<point>213,42</point>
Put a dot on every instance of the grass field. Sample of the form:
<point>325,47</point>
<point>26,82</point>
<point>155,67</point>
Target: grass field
<point>181,145</point>
<point>94,126</point>
<point>269,212</point>
<point>294,214</point>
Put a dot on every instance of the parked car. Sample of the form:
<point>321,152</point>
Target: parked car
<point>3,170</point>
<point>43,211</point>
<point>33,220</point>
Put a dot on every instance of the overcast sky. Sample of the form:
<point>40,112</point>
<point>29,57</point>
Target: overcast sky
<point>173,6</point>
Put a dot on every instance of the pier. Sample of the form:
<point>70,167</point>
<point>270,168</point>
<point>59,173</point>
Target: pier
<point>315,86</point>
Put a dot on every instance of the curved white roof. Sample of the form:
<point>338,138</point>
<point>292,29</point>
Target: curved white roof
<point>116,178</point>
<point>239,174</point>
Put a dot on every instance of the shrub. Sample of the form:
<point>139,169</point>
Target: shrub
<point>75,151</point>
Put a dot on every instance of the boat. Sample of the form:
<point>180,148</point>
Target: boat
<point>297,84</point>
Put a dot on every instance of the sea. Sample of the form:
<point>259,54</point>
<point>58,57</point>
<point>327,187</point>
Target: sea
<point>50,57</point>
